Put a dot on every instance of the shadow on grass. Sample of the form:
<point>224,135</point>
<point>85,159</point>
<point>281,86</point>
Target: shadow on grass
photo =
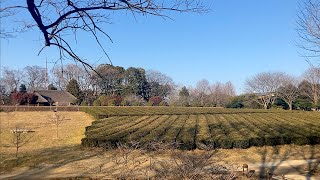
<point>36,164</point>
<point>312,159</point>
<point>282,161</point>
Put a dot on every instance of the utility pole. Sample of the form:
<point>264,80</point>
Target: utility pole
<point>46,78</point>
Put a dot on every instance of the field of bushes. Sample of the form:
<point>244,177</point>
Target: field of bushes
<point>109,111</point>
<point>191,128</point>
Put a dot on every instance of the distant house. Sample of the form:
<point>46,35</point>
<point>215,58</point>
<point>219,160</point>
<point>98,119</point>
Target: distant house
<point>54,97</point>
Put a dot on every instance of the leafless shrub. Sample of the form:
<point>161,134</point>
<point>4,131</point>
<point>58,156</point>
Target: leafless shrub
<point>129,161</point>
<point>190,165</point>
<point>20,136</point>
<point>56,119</point>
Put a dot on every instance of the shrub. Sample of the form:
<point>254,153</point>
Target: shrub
<point>271,140</point>
<point>84,103</point>
<point>193,128</point>
<point>163,103</point>
<point>241,143</point>
<point>257,141</point>
<point>115,101</point>
<point>97,102</point>
<point>22,98</point>
<point>299,140</point>
<point>155,101</point>
<point>224,143</point>
<point>133,100</point>
<point>313,139</point>
<point>103,100</point>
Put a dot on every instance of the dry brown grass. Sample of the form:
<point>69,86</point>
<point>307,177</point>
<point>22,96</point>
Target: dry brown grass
<point>46,156</point>
<point>71,130</point>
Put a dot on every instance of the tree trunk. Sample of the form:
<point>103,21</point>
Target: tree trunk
<point>265,106</point>
<point>17,144</point>
<point>290,106</point>
<point>315,100</point>
<point>57,132</point>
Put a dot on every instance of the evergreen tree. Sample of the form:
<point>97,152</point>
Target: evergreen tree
<point>22,88</point>
<point>184,97</point>
<point>52,87</point>
<point>136,83</point>
<point>74,89</point>
<point>184,92</point>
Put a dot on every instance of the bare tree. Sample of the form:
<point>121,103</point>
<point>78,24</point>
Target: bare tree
<point>309,27</point>
<point>160,84</point>
<point>265,86</point>
<point>21,136</point>
<point>221,93</point>
<point>312,75</point>
<point>202,90</point>
<point>63,74</point>
<point>35,77</point>
<point>229,89</point>
<point>4,95</point>
<point>56,19</point>
<point>57,119</point>
<point>11,79</point>
<point>289,92</point>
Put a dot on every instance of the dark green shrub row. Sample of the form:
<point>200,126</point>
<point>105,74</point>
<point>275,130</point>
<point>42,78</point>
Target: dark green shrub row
<point>125,111</point>
<point>201,131</point>
<point>224,143</point>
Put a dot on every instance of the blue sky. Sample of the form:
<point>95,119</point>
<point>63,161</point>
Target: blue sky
<point>233,42</point>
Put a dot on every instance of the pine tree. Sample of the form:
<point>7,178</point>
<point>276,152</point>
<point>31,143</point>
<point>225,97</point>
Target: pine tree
<point>184,92</point>
<point>184,96</point>
<point>22,88</point>
<point>74,89</point>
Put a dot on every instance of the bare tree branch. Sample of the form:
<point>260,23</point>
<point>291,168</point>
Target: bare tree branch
<point>308,28</point>
<point>57,18</point>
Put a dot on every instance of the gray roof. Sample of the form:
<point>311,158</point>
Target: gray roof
<point>55,96</point>
<point>40,99</point>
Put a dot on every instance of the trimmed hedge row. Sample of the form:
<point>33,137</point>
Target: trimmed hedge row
<point>206,130</point>
<point>107,111</point>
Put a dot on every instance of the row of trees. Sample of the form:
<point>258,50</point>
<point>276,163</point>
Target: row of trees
<point>87,86</point>
<point>115,85</point>
<point>205,94</point>
<point>269,89</point>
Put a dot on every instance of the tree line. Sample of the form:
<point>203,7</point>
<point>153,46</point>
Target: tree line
<point>116,86</point>
<point>280,90</point>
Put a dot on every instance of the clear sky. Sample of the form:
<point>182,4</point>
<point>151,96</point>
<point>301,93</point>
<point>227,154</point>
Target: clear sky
<point>234,41</point>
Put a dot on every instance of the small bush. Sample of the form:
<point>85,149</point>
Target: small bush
<point>97,103</point>
<point>115,101</point>
<point>84,103</point>
<point>155,101</point>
